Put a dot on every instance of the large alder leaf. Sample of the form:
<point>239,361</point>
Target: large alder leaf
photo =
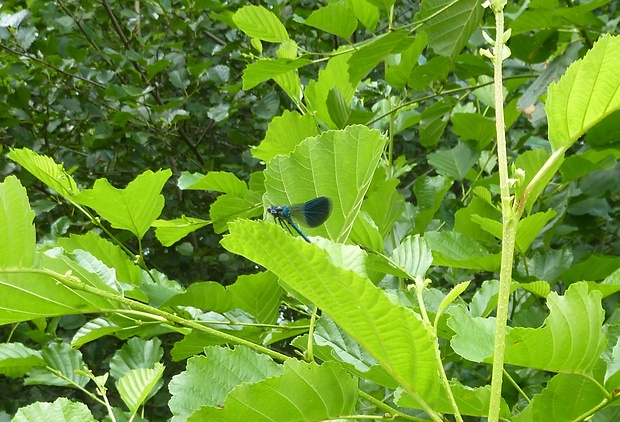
<point>258,22</point>
<point>566,397</point>
<point>304,392</point>
<point>333,344</point>
<point>284,133</point>
<point>587,93</point>
<point>434,121</point>
<point>450,29</point>
<point>27,292</point>
<point>134,208</point>
<point>225,369</point>
<point>63,358</point>
<point>394,335</point>
<point>336,164</point>
<point>16,359</point>
<point>219,181</point>
<point>61,410</point>
<point>335,18</point>
<point>264,69</point>
<point>135,354</point>
<point>46,170</point>
<point>470,401</point>
<point>17,233</point>
<point>369,55</point>
<point>335,74</point>
<point>138,384</point>
<point>571,339</point>
<point>108,253</point>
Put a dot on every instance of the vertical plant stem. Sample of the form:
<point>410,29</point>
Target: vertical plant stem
<point>510,220</point>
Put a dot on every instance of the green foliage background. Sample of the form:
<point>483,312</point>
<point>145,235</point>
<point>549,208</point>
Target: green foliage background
<point>140,133</point>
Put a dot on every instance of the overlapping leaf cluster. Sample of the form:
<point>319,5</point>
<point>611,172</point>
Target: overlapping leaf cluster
<point>386,108</point>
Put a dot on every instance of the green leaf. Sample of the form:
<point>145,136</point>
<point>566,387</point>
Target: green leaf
<point>61,410</point>
<point>434,121</point>
<point>17,359</point>
<point>265,69</point>
<point>455,162</point>
<point>208,295</point>
<point>454,22</point>
<point>435,70</point>
<point>219,181</point>
<point>474,127</point>
<point>258,22</point>
<point>529,228</point>
<point>571,339</point>
<point>259,295</point>
<point>478,220</point>
<point>64,359</point>
<point>157,67</point>
<point>468,66</point>
<point>335,74</point>
<point>365,58</point>
<point>531,162</point>
<point>366,234</point>
<point>429,193</point>
<point>335,345</point>
<point>470,401</point>
<point>400,65</point>
<point>336,164</point>
<point>284,133</point>
<point>225,369</point>
<point>304,391</point>
<point>335,18</point>
<point>485,299</point>
<point>612,372</point>
<point>290,84</point>
<point>366,13</point>
<point>474,336</point>
<point>454,293</point>
<point>551,15</point>
<point>46,170</point>
<point>540,288</point>
<point>17,233</point>
<point>549,265</point>
<point>456,250</point>
<point>133,208</point>
<point>136,354</point>
<point>34,295</point>
<point>577,166</point>
<point>383,202</point>
<point>92,330</point>
<point>592,268</point>
<point>168,232</point>
<point>229,207</point>
<point>108,253</point>
<point>382,4</point>
<point>414,255</point>
<point>138,384</point>
<point>587,93</point>
<point>569,396</point>
<point>395,336</point>
<point>338,109</point>
<point>606,132</point>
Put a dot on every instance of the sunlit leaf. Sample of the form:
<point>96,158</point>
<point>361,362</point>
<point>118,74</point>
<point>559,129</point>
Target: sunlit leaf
<point>133,208</point>
<point>587,93</point>
<point>258,22</point>
<point>393,335</point>
<point>304,391</point>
